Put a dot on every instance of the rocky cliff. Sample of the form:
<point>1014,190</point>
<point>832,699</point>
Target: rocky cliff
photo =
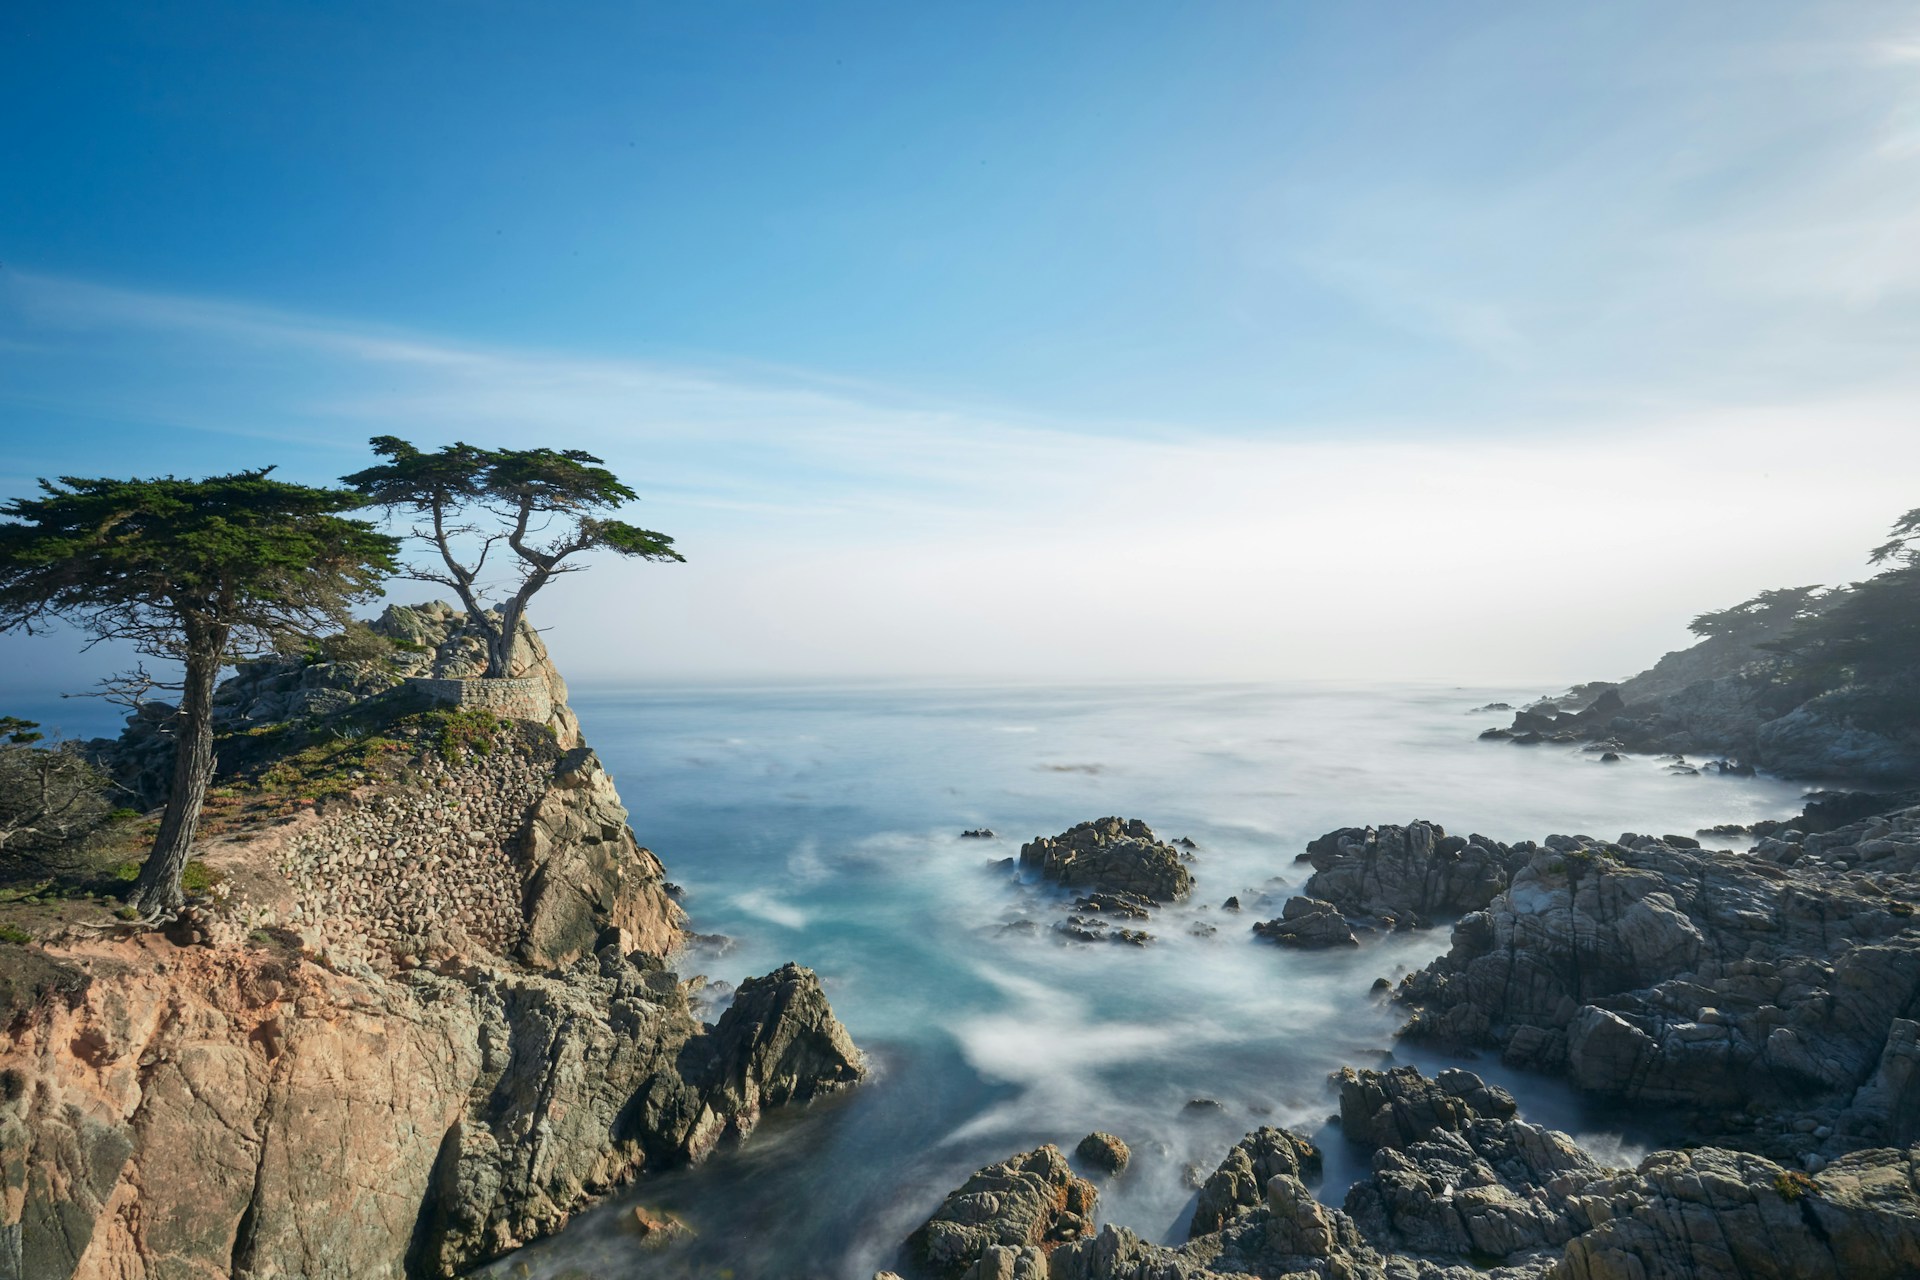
<point>420,1013</point>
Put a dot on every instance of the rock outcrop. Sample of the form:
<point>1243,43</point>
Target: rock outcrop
<point>1728,696</point>
<point>1005,1219</point>
<point>1239,1185</point>
<point>1126,870</point>
<point>244,1111</point>
<point>1403,876</point>
<point>1774,995</point>
<point>428,640</point>
<point>1110,855</point>
<point>1461,1188</point>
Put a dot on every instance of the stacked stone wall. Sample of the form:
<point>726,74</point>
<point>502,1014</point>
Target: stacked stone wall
<point>529,698</point>
<point>409,870</point>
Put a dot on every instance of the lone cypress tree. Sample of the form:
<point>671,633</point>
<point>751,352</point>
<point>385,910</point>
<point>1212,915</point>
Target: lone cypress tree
<point>201,572</point>
<point>542,503</point>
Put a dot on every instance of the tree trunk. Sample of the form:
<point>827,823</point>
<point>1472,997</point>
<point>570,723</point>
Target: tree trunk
<point>500,642</point>
<point>157,891</point>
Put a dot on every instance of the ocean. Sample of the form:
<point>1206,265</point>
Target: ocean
<point>821,824</point>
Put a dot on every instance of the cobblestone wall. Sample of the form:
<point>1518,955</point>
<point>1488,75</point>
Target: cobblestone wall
<point>518,699</point>
<point>407,870</point>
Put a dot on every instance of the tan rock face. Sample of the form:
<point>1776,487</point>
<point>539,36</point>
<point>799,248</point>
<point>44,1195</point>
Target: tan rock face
<point>194,1112</point>
<point>243,1112</point>
<point>584,872</point>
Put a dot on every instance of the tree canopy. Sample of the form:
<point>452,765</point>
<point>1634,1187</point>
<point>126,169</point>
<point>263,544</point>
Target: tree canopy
<point>543,505</point>
<point>1768,611</point>
<point>195,571</point>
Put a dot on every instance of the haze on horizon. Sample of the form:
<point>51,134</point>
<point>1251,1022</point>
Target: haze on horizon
<point>1485,342</point>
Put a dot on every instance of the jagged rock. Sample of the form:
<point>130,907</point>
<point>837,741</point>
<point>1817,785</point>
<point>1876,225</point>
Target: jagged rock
<point>1459,1188</point>
<point>585,873</point>
<point>1104,1151</point>
<point>1723,696</point>
<point>1110,855</point>
<point>1709,1214</point>
<point>1410,874</point>
<point>778,1042</point>
<point>1399,1107</point>
<point>1031,1201</point>
<point>1715,980</point>
<point>1454,1173</point>
<point>247,1110</point>
<point>1308,923</point>
<point>1239,1185</point>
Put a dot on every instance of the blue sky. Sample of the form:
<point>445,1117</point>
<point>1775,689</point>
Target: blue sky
<point>889,296</point>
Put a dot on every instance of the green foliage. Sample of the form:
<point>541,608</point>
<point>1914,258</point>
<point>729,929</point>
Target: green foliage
<point>18,732</point>
<point>355,642</point>
<point>198,877</point>
<point>15,935</point>
<point>1905,531</point>
<point>152,560</point>
<point>470,729</point>
<point>543,504</point>
<point>195,570</point>
<point>1767,612</point>
<point>1862,645</point>
<point>1791,1184</point>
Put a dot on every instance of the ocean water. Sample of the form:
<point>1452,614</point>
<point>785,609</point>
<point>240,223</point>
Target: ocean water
<point>821,825</point>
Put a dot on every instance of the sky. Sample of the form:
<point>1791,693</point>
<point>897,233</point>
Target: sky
<point>1470,342</point>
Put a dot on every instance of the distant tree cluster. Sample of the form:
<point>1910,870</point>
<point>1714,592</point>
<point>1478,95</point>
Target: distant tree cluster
<point>1863,637</point>
<point>203,573</point>
<point>50,794</point>
<point>1769,611</point>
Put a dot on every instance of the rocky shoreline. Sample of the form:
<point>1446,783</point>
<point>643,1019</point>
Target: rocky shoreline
<point>1458,1187</point>
<point>1767,1002</point>
<point>430,1015</point>
<point>404,1030</point>
<point>1739,698</point>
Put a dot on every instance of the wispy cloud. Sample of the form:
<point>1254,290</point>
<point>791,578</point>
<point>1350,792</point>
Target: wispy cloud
<point>832,532</point>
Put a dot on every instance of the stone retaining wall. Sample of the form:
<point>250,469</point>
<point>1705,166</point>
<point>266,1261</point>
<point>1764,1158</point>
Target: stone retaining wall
<point>516,699</point>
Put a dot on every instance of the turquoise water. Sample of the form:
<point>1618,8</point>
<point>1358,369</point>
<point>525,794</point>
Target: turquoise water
<point>821,824</point>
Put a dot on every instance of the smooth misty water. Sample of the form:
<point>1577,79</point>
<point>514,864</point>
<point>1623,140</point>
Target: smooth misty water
<point>822,825</point>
